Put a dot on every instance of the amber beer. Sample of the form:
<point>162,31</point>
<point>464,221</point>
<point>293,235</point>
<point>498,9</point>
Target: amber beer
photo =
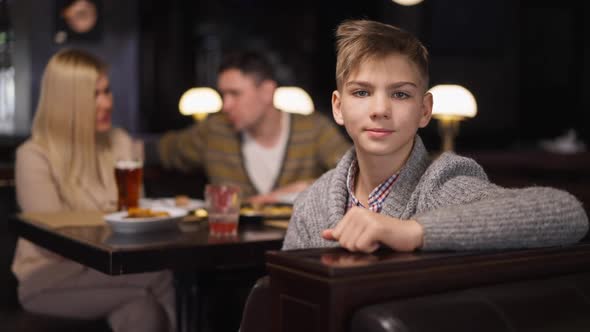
<point>129,175</point>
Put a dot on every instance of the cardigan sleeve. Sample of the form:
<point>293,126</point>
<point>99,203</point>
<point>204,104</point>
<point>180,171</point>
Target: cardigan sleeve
<point>461,210</point>
<point>184,149</point>
<point>311,216</point>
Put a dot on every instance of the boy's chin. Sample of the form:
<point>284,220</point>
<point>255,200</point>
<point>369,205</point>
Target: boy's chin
<point>374,150</point>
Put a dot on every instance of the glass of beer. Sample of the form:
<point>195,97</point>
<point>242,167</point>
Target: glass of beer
<point>129,176</point>
<point>223,206</point>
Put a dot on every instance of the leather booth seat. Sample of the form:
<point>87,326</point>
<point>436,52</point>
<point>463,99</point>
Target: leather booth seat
<point>556,304</point>
<point>256,314</point>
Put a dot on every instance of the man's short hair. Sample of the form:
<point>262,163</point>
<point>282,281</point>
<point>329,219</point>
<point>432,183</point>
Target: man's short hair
<point>249,62</point>
<point>359,40</point>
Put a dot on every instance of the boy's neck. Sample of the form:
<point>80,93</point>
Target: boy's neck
<point>374,170</point>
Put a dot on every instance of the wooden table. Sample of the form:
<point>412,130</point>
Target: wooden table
<point>190,252</point>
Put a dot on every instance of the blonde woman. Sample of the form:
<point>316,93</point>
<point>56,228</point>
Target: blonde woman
<point>67,165</point>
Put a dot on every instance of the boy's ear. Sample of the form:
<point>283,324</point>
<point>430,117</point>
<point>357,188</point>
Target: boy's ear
<point>336,111</point>
<point>426,115</point>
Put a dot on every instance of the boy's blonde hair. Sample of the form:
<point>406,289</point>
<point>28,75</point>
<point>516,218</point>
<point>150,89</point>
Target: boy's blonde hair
<point>65,122</point>
<point>360,40</point>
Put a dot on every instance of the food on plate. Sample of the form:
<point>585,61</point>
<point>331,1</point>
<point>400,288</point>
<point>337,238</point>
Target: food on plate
<point>181,200</point>
<point>145,213</point>
<point>247,210</point>
<point>201,213</point>
<point>267,210</point>
<point>277,210</point>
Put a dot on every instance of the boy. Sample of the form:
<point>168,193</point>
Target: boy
<point>387,191</point>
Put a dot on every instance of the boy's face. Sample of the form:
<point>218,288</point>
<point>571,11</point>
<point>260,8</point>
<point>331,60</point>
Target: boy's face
<point>382,104</point>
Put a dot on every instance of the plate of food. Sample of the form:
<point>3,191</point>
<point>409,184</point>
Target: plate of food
<point>136,220</point>
<point>253,213</point>
<point>266,211</point>
<point>180,201</point>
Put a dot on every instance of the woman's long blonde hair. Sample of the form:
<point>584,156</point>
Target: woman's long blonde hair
<point>64,125</point>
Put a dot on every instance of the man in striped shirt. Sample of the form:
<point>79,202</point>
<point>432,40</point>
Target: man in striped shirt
<point>270,154</point>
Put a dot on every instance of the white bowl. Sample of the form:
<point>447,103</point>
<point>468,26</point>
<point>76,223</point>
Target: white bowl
<point>121,224</point>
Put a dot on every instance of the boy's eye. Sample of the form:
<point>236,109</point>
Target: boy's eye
<point>360,93</point>
<point>400,95</point>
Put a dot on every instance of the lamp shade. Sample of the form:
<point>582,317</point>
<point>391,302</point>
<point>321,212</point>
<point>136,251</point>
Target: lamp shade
<point>293,99</point>
<point>407,2</point>
<point>200,100</point>
<point>453,101</point>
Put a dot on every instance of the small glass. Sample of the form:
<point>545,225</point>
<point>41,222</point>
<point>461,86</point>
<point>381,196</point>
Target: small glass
<point>223,206</point>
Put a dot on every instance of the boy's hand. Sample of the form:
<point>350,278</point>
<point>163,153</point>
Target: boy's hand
<point>363,230</point>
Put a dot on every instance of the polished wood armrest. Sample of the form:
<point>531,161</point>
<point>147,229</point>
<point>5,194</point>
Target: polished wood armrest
<point>326,285</point>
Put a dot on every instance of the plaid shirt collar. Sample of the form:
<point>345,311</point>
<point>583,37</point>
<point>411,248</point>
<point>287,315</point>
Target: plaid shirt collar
<point>376,197</point>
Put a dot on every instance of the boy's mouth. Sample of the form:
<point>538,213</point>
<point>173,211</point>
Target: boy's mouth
<point>378,129</point>
<point>378,132</point>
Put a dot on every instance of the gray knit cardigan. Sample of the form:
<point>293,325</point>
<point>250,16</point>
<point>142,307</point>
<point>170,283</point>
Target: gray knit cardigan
<point>455,203</point>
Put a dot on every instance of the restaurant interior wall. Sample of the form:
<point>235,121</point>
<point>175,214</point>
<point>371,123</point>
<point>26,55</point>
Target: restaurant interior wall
<point>525,61</point>
<point>118,46</point>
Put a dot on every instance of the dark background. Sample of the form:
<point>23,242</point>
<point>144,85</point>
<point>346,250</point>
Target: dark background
<point>94,34</point>
<point>525,61</point>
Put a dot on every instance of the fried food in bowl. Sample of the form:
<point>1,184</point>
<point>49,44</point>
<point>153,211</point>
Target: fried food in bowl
<point>145,213</point>
<point>181,200</point>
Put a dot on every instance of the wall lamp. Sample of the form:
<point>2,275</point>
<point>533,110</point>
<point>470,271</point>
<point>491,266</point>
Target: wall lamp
<point>452,103</point>
<point>293,99</point>
<point>199,102</point>
<point>407,2</point>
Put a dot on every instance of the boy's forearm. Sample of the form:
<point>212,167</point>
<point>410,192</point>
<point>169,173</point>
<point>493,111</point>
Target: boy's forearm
<point>416,232</point>
<point>403,235</point>
<point>510,218</point>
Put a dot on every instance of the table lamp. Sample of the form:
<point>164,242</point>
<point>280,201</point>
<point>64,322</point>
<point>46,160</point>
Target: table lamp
<point>452,103</point>
<point>293,99</point>
<point>199,102</point>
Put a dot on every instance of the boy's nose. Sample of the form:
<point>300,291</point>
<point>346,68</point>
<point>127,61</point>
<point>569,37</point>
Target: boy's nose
<point>381,107</point>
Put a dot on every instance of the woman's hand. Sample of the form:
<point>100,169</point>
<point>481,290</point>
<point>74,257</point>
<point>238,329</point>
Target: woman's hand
<point>364,230</point>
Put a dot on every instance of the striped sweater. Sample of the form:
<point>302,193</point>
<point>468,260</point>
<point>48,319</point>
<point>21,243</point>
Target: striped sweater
<point>314,146</point>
